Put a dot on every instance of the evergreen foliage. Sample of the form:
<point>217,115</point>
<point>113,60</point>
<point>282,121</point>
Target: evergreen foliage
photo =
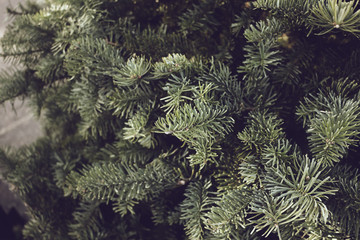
<point>216,119</point>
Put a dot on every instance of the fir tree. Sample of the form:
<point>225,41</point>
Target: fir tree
<point>216,119</point>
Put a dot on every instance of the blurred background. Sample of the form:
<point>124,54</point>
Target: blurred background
<point>18,127</point>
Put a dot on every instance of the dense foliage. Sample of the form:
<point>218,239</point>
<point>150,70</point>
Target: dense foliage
<point>203,119</point>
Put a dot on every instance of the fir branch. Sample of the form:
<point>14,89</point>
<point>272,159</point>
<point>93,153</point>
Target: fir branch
<point>50,69</point>
<point>31,42</point>
<point>140,111</point>
<point>228,216</point>
<point>65,163</point>
<point>303,189</point>
<point>259,60</point>
<point>122,150</point>
<point>178,89</point>
<point>93,56</point>
<point>13,84</point>
<point>334,126</point>
<point>193,208</point>
<point>294,10</point>
<point>134,71</point>
<point>154,42</point>
<point>335,14</point>
<point>173,64</point>
<point>198,18</point>
<point>249,171</point>
<point>163,211</point>
<point>109,181</point>
<point>137,129</point>
<point>265,31</point>
<point>270,213</point>
<point>206,151</point>
<point>87,222</point>
<point>125,102</point>
<point>345,204</point>
<point>263,128</point>
<point>280,153</point>
<point>227,85</point>
<point>191,123</point>
<point>40,228</point>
